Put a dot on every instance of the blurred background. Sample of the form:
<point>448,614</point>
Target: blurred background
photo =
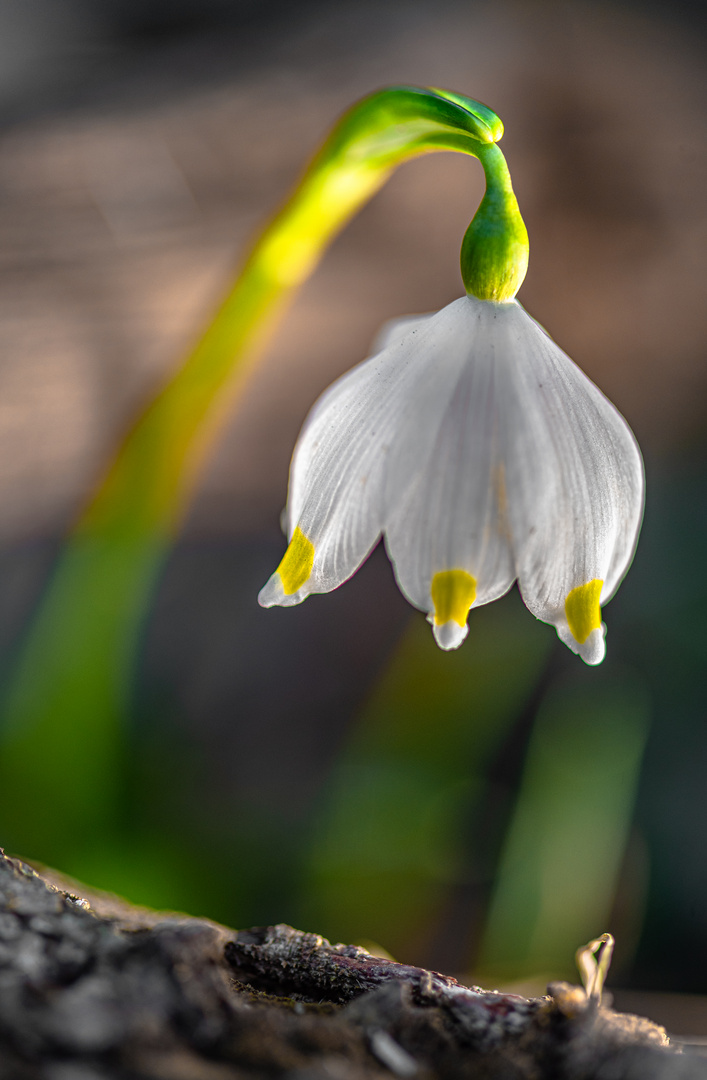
<point>481,812</point>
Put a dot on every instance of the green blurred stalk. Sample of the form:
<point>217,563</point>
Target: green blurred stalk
<point>63,750</point>
<point>558,874</point>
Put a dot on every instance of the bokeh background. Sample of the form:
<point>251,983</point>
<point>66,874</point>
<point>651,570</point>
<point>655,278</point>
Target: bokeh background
<point>481,812</point>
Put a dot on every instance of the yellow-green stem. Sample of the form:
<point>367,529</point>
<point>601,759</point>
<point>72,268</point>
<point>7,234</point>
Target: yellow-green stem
<point>62,754</point>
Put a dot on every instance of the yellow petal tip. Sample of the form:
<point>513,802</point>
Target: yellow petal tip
<point>583,611</point>
<point>453,592</point>
<point>296,566</point>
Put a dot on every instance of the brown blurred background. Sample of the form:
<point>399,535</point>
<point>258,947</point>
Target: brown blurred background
<point>142,145</point>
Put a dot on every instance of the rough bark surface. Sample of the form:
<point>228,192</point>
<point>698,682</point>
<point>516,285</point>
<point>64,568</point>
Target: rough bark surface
<point>93,988</point>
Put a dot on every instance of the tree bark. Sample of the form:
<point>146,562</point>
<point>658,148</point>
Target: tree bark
<point>92,987</point>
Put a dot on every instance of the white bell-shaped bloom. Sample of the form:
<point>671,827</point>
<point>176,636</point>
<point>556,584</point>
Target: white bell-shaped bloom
<point>483,455</point>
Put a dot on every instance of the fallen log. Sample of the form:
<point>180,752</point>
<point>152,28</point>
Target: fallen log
<point>92,987</point>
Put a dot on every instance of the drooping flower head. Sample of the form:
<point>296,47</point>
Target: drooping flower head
<point>478,450</point>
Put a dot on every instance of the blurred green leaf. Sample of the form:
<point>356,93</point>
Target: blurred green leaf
<point>559,868</point>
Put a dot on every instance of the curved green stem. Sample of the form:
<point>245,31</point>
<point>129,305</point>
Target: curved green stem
<point>150,477</point>
<point>494,255</point>
<point>68,693</point>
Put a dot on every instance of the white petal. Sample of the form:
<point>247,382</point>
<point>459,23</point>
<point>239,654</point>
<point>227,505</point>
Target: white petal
<point>336,484</point>
<point>574,478</point>
<point>454,515</point>
<point>361,446</point>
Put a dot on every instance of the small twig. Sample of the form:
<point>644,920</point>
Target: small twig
<point>284,961</point>
<point>593,961</point>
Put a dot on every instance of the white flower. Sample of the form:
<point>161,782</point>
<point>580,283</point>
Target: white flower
<point>483,455</point>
